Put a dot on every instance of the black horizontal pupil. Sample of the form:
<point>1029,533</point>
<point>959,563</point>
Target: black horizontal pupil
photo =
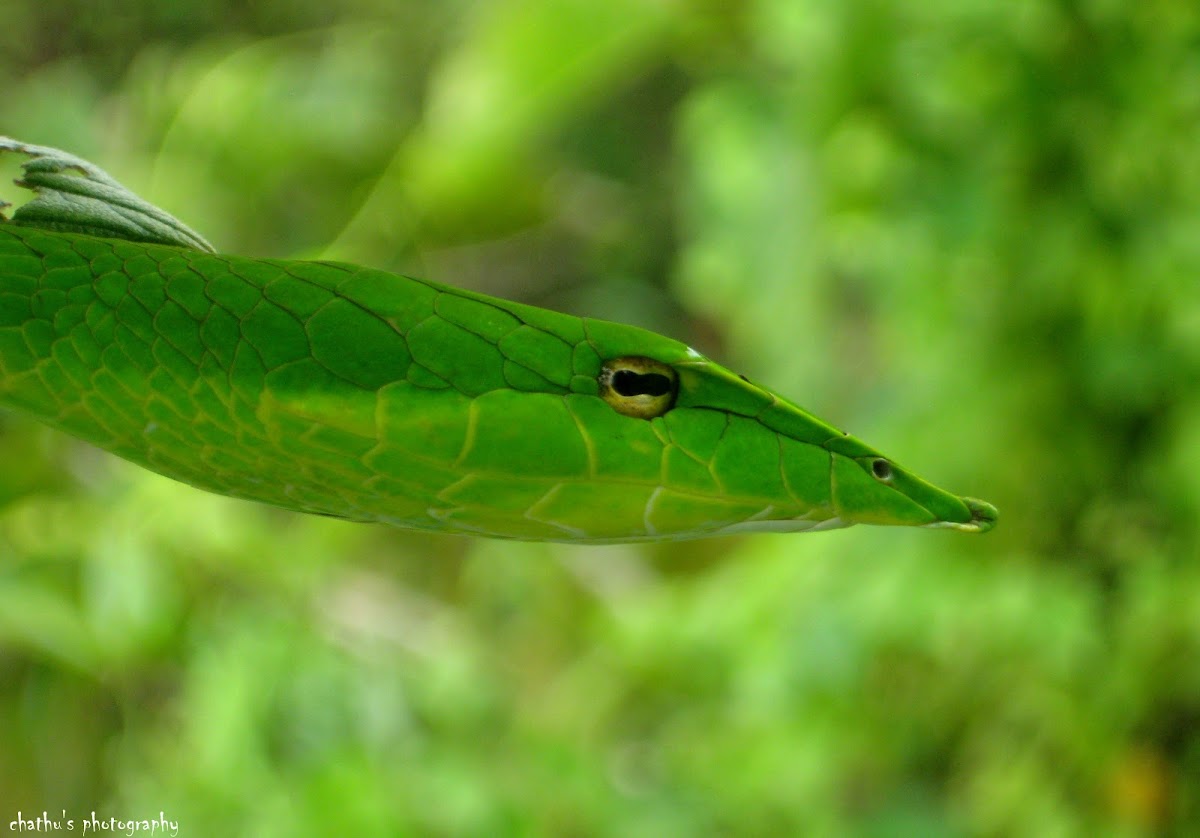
<point>630,383</point>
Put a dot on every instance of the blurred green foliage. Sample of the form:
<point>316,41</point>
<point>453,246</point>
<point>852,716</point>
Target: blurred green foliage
<point>967,231</point>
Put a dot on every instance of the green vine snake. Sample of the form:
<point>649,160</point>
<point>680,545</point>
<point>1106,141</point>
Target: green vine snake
<point>341,390</point>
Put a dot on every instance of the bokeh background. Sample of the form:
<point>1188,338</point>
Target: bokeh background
<point>966,230</point>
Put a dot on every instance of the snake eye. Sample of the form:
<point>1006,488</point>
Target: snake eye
<point>639,387</point>
<point>882,470</point>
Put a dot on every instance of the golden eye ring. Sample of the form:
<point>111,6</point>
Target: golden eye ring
<point>639,387</point>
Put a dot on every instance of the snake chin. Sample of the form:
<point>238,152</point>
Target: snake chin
<point>785,525</point>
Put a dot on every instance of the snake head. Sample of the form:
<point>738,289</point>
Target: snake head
<point>738,457</point>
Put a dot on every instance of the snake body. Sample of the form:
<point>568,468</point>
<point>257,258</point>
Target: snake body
<point>342,390</point>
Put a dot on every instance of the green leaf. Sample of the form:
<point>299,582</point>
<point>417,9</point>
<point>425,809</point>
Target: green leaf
<point>74,196</point>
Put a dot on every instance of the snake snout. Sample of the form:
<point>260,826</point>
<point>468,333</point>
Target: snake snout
<point>983,514</point>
